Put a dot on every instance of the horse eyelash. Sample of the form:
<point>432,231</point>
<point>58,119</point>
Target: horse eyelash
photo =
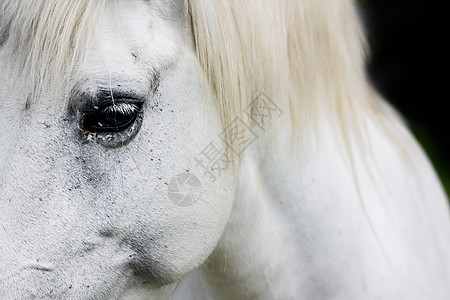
<point>121,108</point>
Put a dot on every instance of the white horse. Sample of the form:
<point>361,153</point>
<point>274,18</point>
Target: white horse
<point>119,119</point>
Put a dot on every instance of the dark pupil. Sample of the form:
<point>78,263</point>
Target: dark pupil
<point>113,118</point>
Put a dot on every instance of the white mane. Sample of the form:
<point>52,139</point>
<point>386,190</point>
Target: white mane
<point>307,58</point>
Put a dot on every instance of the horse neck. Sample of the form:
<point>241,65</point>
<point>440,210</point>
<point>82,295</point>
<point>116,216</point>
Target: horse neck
<point>298,217</point>
<point>284,204</point>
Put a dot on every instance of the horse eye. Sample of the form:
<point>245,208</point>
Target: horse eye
<point>114,117</point>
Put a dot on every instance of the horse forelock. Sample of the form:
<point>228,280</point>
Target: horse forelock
<point>43,40</point>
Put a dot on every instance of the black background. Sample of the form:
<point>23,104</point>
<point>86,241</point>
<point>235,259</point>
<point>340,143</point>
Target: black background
<point>408,66</point>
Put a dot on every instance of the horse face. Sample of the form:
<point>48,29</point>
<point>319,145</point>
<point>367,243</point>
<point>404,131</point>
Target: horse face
<point>91,204</point>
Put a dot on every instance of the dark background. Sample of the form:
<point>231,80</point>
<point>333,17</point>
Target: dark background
<point>406,65</point>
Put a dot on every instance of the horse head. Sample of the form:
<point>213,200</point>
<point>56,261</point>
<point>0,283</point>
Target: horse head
<point>92,175</point>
